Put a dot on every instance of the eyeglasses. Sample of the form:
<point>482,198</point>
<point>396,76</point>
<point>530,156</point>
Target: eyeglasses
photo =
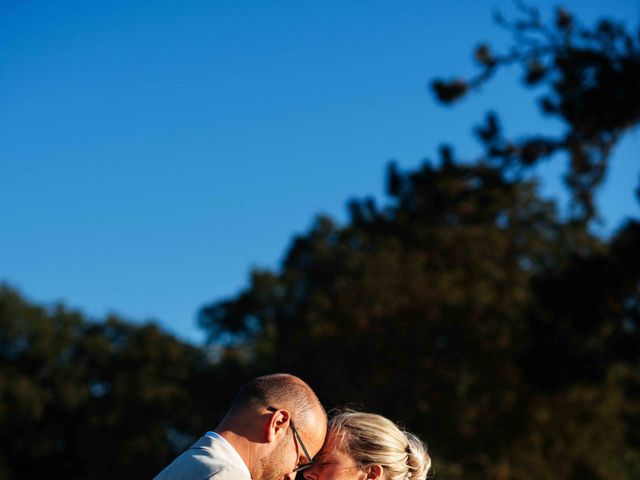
<point>310,462</point>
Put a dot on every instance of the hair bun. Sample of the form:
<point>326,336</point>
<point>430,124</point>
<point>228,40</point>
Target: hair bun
<point>418,459</point>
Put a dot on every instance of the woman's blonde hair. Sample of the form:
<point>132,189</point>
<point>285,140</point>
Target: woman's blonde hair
<point>372,439</point>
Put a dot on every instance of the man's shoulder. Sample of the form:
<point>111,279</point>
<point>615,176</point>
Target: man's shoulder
<point>230,473</point>
<point>205,459</point>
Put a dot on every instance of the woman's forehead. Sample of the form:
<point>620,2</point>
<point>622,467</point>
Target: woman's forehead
<point>333,447</point>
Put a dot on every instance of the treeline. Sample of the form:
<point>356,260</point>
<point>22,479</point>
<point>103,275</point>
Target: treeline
<point>464,307</point>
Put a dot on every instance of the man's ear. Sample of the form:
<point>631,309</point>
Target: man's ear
<point>278,424</point>
<point>374,472</point>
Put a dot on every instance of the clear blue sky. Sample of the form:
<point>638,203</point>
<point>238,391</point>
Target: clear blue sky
<point>154,152</point>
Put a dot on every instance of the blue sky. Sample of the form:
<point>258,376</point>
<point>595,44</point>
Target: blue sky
<point>154,152</point>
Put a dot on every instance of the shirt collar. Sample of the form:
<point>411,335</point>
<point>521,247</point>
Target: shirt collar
<point>232,451</point>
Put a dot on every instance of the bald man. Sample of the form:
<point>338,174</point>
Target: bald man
<point>273,429</point>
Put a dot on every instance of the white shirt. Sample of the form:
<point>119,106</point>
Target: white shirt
<point>210,457</point>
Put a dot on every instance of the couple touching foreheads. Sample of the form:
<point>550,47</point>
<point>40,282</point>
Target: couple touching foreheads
<point>277,427</point>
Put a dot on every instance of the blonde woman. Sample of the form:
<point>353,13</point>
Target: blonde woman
<point>365,446</point>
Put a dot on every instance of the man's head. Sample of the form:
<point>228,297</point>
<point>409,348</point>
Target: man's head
<point>277,417</point>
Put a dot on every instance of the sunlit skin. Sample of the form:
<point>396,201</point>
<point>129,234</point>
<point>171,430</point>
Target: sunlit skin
<point>333,464</point>
<point>288,454</point>
<point>291,457</point>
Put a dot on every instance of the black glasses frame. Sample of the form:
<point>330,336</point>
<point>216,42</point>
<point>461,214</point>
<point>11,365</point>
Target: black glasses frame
<point>310,460</point>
